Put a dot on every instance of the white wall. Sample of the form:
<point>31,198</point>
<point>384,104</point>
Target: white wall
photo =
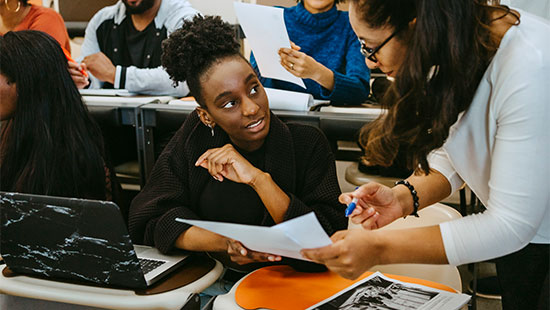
<point>224,8</point>
<point>537,7</point>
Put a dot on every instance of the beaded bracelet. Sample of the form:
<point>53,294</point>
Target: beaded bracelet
<point>413,193</point>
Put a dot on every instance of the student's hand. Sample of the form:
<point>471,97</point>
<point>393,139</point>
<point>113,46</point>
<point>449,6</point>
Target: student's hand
<point>101,67</point>
<point>300,64</point>
<point>304,66</point>
<point>377,205</point>
<point>241,255</point>
<point>75,70</point>
<point>227,162</point>
<point>351,254</point>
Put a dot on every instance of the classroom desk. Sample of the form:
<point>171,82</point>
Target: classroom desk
<point>22,292</point>
<point>163,117</point>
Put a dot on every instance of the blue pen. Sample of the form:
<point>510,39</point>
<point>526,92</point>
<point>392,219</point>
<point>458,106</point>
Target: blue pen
<point>351,206</point>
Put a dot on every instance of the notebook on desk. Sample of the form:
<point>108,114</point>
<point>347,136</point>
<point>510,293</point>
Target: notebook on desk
<point>77,240</point>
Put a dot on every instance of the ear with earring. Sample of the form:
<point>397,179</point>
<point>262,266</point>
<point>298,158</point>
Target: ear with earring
<point>16,9</point>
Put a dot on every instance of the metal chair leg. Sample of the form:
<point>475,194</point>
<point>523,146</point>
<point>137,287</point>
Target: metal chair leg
<point>473,301</point>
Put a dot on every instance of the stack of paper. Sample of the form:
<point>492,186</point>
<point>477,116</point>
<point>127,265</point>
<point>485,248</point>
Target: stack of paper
<point>106,92</point>
<point>354,110</point>
<point>191,104</point>
<point>290,100</point>
<point>117,99</point>
<point>278,100</point>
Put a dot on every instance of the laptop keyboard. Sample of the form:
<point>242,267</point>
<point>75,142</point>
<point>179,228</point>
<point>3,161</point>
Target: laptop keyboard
<point>148,265</point>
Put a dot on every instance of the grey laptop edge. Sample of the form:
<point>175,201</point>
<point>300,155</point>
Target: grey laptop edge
<point>78,240</point>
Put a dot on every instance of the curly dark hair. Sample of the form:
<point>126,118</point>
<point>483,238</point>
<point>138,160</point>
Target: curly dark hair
<point>191,50</point>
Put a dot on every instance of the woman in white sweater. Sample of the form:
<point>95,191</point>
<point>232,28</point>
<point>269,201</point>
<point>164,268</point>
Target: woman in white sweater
<point>472,101</point>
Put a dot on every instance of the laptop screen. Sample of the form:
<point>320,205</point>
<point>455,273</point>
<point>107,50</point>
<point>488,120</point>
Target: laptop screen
<point>67,238</point>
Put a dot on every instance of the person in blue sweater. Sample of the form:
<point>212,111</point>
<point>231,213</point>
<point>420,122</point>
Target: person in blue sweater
<point>325,53</point>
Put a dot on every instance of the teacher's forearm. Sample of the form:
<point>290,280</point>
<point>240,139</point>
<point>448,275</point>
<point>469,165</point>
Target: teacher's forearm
<point>430,189</point>
<point>423,245</point>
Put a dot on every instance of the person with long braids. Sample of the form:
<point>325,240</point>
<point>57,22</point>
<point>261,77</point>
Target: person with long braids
<point>49,144</point>
<point>232,160</point>
<point>16,15</point>
<point>471,102</point>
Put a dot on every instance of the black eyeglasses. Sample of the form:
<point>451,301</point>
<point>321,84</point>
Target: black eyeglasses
<point>369,52</point>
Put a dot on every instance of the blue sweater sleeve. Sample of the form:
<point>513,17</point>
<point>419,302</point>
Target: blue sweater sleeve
<point>353,87</point>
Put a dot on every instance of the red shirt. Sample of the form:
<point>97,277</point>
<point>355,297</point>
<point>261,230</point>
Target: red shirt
<point>48,21</point>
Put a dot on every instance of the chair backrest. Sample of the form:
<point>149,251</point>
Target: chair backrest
<point>444,274</point>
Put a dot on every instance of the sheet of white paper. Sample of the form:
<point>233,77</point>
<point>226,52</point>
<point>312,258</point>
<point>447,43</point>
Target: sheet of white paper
<point>106,92</point>
<point>288,100</point>
<point>367,111</point>
<point>184,103</point>
<point>117,99</point>
<point>265,30</point>
<point>285,239</point>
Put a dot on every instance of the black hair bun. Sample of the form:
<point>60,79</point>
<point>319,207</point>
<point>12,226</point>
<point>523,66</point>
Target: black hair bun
<point>194,47</point>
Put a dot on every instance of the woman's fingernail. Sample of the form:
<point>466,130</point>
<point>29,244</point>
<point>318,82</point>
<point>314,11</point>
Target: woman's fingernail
<point>370,211</point>
<point>271,258</point>
<point>243,252</point>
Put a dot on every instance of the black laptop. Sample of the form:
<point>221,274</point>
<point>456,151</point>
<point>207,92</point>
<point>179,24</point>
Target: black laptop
<point>76,239</point>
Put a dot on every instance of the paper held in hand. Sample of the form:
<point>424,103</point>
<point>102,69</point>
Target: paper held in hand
<point>257,21</point>
<point>285,239</point>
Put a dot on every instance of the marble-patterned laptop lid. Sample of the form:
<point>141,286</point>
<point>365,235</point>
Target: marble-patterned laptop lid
<point>66,238</point>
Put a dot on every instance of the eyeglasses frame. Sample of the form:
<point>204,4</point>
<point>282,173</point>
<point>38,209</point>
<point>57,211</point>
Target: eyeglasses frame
<point>370,55</point>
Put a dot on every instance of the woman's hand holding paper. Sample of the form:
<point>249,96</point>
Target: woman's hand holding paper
<point>241,255</point>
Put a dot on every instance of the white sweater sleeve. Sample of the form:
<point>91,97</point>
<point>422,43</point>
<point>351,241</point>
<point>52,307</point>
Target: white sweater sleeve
<point>439,161</point>
<point>519,192</point>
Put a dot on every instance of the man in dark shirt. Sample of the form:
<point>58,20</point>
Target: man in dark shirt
<point>122,46</point>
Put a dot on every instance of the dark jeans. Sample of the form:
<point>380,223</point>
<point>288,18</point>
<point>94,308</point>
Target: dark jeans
<point>523,277</point>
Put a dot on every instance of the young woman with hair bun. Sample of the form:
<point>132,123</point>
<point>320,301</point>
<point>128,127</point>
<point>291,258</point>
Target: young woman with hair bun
<point>232,160</point>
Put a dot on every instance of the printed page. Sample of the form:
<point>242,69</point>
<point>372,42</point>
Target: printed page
<point>354,110</point>
<point>288,100</point>
<point>285,239</point>
<point>380,292</point>
<point>136,99</point>
<point>106,92</point>
<point>265,30</point>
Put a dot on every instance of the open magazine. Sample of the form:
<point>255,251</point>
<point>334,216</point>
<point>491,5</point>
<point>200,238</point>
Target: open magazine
<point>382,293</point>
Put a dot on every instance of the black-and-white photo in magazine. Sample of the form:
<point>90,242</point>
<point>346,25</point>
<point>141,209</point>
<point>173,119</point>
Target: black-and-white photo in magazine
<point>382,293</point>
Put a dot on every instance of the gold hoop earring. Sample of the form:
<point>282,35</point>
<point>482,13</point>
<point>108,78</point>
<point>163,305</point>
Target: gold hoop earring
<point>8,7</point>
